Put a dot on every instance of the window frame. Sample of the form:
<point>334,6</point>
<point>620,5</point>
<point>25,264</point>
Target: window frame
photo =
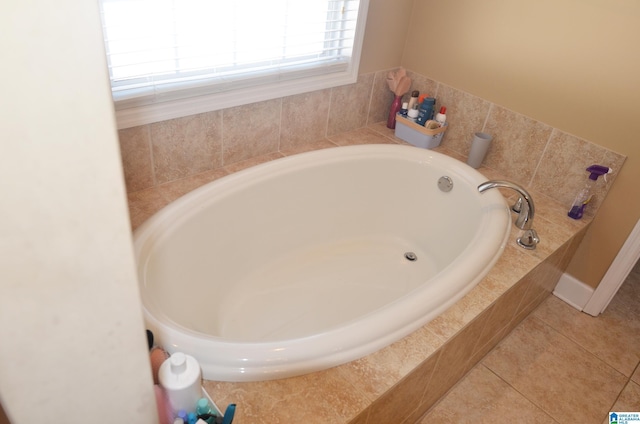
<point>130,114</point>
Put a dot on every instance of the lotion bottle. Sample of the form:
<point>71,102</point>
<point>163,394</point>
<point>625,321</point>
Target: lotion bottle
<point>181,378</point>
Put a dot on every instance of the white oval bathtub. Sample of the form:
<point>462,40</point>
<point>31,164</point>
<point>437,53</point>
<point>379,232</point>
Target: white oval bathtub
<point>301,263</point>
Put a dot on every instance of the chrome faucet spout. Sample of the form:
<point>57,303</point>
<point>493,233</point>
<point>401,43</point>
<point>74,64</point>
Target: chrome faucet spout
<point>527,209</point>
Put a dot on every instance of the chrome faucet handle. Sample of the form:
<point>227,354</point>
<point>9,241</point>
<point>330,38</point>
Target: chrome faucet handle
<point>527,209</point>
<point>529,239</point>
<point>517,206</point>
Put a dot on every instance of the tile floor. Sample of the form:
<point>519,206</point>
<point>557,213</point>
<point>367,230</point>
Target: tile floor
<point>559,365</point>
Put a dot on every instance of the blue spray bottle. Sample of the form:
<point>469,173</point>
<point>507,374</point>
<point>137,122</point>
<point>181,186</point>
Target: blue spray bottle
<point>584,196</point>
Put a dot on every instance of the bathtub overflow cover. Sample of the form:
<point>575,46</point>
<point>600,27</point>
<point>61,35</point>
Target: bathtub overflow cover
<point>410,256</point>
<point>445,184</point>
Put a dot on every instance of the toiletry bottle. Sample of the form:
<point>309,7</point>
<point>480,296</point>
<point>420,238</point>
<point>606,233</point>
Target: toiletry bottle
<point>404,109</point>
<point>181,378</point>
<point>441,116</point>
<point>584,196</point>
<point>413,100</point>
<point>412,115</point>
<point>204,408</point>
<point>425,111</point>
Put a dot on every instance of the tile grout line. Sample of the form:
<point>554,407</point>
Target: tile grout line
<point>577,343</point>
<point>581,348</point>
<point>481,363</point>
<point>569,336</point>
<point>540,408</point>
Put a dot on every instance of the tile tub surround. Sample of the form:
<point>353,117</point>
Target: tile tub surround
<point>402,381</point>
<point>523,150</point>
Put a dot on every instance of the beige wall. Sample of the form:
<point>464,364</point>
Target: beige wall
<point>573,65</point>
<point>73,347</point>
<point>386,33</point>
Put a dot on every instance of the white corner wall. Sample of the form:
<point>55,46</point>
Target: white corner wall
<point>72,342</point>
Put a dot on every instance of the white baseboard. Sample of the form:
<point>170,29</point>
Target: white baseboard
<point>573,291</point>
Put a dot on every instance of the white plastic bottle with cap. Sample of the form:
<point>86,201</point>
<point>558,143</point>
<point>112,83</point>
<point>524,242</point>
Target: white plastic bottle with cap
<point>441,117</point>
<point>180,376</point>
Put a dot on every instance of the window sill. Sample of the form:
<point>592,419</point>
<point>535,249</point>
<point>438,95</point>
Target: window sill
<point>127,117</point>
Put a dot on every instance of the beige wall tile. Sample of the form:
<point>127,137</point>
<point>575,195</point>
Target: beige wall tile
<point>256,160</point>
<point>501,313</point>
<point>513,265</point>
<point>313,398</point>
<point>552,235</point>
<point>175,189</point>
<point>392,406</point>
<point>453,363</point>
<point>381,98</point>
<point>462,312</point>
<point>376,373</point>
<point>186,146</point>
<point>466,115</point>
<point>555,212</point>
<point>304,118</point>
<point>316,145</point>
<point>360,136</point>
<point>562,171</point>
<point>540,283</point>
<point>423,84</point>
<point>381,128</point>
<point>135,149</point>
<point>251,130</point>
<point>143,204</point>
<point>350,105</point>
<point>517,145</point>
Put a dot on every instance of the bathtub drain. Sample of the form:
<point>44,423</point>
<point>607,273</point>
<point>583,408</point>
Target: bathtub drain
<point>410,256</point>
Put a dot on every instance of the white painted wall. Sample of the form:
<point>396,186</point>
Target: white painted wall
<point>72,342</point>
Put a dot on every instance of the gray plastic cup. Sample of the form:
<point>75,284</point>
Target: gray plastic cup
<point>479,147</point>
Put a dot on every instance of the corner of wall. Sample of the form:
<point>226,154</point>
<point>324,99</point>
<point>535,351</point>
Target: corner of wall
<point>573,291</point>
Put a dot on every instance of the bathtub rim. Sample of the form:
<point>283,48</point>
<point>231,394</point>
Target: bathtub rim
<point>175,337</point>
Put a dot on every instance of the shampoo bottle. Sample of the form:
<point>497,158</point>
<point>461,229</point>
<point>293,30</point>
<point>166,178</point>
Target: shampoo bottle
<point>584,196</point>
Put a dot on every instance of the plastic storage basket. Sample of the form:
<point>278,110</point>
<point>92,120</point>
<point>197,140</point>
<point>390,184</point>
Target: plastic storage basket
<point>418,135</point>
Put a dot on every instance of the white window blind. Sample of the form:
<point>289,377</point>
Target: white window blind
<point>165,50</point>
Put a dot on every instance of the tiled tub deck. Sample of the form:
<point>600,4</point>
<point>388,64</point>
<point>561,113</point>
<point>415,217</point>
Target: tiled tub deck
<point>399,383</point>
